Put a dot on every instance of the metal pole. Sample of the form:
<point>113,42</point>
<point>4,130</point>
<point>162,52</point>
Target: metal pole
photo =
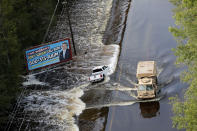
<point>69,22</point>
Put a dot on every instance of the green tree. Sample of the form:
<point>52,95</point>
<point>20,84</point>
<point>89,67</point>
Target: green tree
<point>185,33</point>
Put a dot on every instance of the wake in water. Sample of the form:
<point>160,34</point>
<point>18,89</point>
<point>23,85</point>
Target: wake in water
<point>117,87</point>
<point>52,110</point>
<point>125,103</point>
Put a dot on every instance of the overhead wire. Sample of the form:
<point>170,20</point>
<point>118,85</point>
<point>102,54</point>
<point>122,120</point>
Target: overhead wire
<point>32,114</point>
<point>17,105</point>
<point>50,22</point>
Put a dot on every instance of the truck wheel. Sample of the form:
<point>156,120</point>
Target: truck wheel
<point>159,91</point>
<point>103,77</point>
<point>156,80</point>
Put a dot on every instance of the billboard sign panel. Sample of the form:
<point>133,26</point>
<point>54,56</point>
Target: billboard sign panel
<point>49,54</point>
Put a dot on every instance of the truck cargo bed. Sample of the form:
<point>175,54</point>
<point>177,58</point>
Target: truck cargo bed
<point>146,69</point>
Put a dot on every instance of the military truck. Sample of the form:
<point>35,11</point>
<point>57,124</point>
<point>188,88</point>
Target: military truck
<point>147,80</point>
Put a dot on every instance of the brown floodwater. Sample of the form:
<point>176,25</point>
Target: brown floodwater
<point>146,38</point>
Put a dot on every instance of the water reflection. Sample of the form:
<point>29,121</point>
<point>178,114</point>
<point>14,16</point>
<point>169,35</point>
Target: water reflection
<point>149,109</point>
<point>93,119</point>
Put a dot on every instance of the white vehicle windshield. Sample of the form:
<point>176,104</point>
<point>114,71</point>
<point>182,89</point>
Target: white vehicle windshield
<point>97,70</point>
<point>145,87</point>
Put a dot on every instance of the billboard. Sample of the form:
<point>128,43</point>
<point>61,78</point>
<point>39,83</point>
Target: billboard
<point>48,54</point>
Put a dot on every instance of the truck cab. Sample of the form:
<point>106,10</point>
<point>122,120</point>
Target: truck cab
<point>147,80</point>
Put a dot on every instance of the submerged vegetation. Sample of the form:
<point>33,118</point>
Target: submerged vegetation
<point>185,14</point>
<point>23,24</point>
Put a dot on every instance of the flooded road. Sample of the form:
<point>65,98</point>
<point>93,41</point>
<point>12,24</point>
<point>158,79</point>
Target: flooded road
<point>62,98</point>
<point>146,38</point>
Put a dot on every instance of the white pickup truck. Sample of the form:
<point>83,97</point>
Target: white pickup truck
<point>99,73</point>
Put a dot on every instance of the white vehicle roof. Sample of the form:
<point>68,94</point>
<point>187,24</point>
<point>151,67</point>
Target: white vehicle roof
<point>97,67</point>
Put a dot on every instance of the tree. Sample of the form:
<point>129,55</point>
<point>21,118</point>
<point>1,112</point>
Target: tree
<point>185,33</point>
<point>23,24</point>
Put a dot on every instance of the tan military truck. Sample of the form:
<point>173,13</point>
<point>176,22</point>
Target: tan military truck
<point>147,80</point>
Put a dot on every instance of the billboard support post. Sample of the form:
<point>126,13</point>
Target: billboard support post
<point>69,22</point>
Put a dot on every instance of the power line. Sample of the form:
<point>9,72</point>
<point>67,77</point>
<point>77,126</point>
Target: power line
<point>50,22</point>
<point>9,123</point>
<point>30,116</point>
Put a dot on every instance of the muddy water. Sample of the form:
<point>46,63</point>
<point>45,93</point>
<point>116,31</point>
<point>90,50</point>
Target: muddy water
<point>146,38</point>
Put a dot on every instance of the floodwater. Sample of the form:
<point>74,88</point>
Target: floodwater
<point>146,38</point>
<point>61,98</point>
<point>50,98</point>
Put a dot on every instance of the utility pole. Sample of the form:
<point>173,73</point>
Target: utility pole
<point>69,22</point>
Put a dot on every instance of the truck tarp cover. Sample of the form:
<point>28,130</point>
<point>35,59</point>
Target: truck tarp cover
<point>146,69</point>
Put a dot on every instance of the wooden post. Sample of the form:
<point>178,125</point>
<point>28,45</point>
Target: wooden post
<point>69,22</point>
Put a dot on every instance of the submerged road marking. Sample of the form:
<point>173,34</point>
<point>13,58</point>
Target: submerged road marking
<point>113,108</point>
